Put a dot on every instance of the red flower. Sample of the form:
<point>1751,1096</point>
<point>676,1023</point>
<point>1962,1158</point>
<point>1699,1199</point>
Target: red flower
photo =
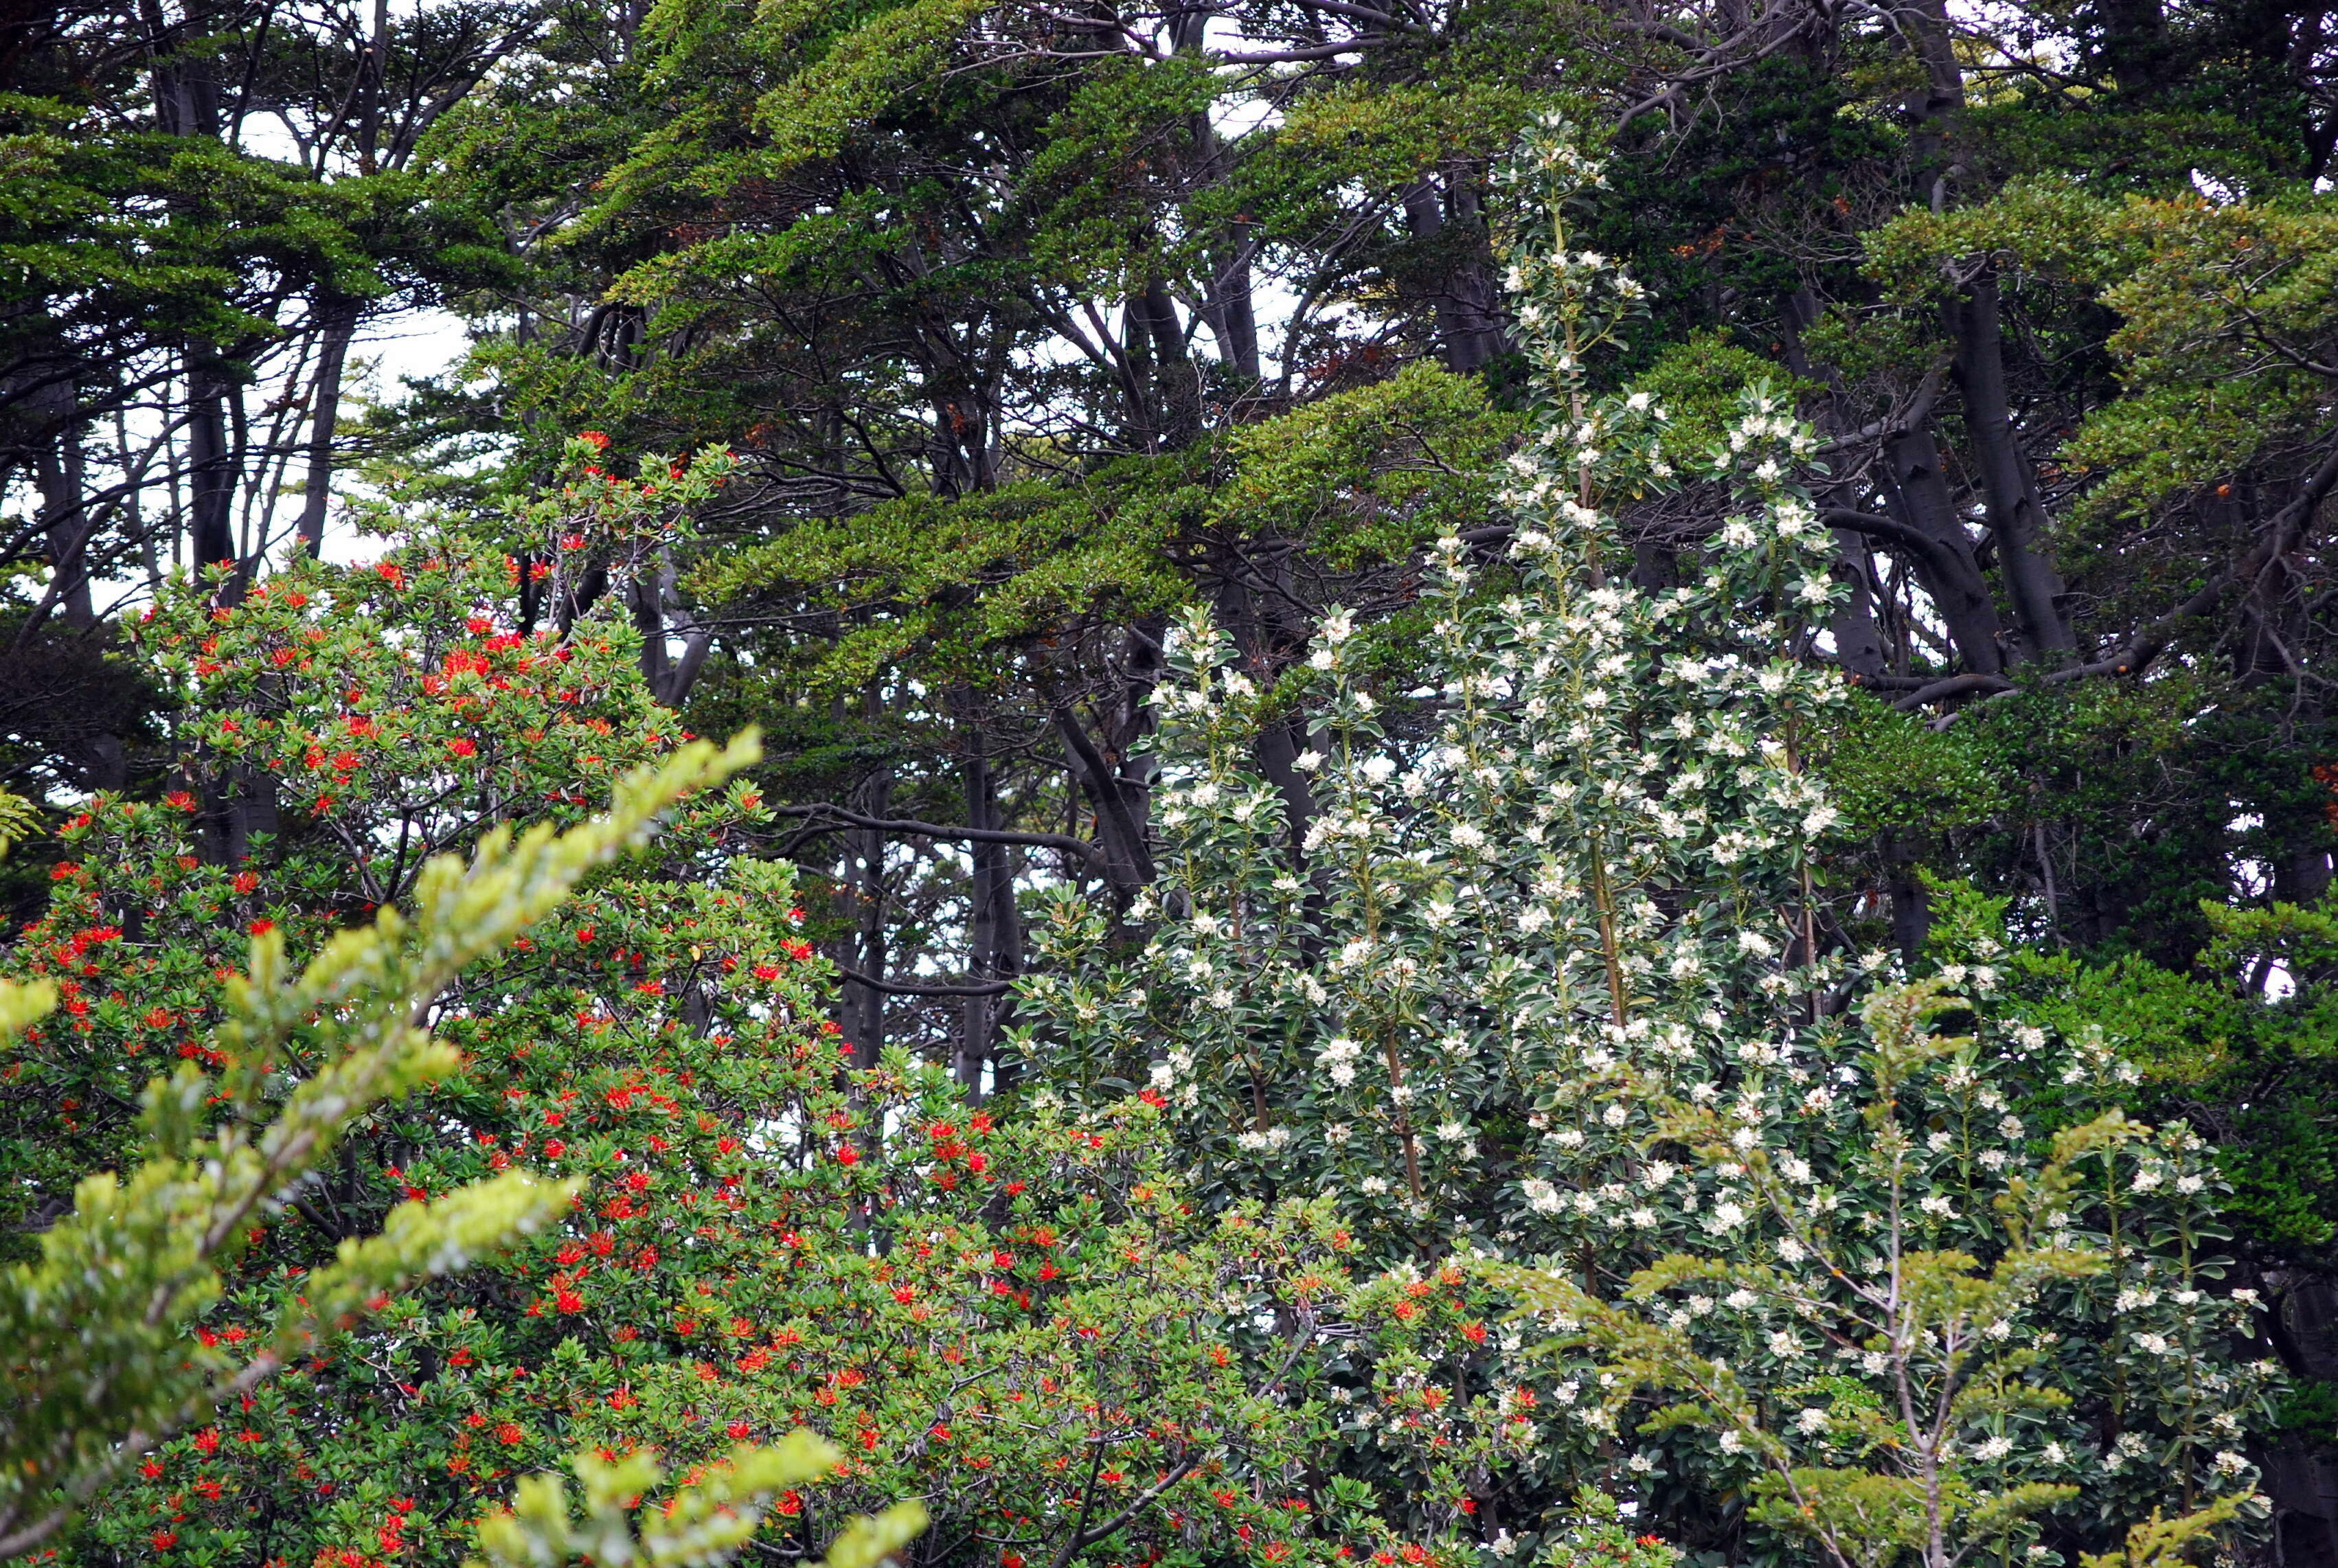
<point>246,882</point>
<point>509,1432</point>
<point>463,748</point>
<point>738,1430</point>
<point>847,1155</point>
<point>163,1540</point>
<point>595,439</point>
<point>553,1148</point>
<point>262,927</point>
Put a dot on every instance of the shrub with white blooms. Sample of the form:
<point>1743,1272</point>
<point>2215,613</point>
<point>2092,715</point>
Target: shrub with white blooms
<point>1551,949</point>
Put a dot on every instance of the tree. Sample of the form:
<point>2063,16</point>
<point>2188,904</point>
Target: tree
<point>1564,898</point>
<point>1897,1384</point>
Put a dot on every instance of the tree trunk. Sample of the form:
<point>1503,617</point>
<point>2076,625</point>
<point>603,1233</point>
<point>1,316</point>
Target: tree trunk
<point>324,416</point>
<point>1947,566</point>
<point>2016,512</point>
<point>211,475</point>
<point>1460,276</point>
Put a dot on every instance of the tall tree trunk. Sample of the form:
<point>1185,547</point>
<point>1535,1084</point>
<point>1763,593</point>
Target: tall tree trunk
<point>211,471</point>
<point>66,523</point>
<point>1944,561</point>
<point>862,1007</point>
<point>1460,276</point>
<point>324,415</point>
<point>2017,511</point>
<point>994,925</point>
<point>1178,384</point>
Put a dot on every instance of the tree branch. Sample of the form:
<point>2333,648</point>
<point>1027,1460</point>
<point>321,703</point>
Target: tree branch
<point>912,827</point>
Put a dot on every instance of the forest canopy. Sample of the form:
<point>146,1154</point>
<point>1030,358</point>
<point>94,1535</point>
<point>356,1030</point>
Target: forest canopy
<point>1537,781</point>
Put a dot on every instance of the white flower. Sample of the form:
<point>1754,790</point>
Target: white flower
<point>1452,1131</point>
<point>1338,627</point>
<point>1308,761</point>
<point>1468,836</point>
<point>1379,769</point>
<point>2056,1453</point>
<point>1374,1185</point>
<point>1322,659</point>
<point>1994,1447</point>
<point>2231,1463</point>
<point>1335,1133</point>
<point>1731,1443</point>
<point>1541,1196</point>
<point>1811,1421</point>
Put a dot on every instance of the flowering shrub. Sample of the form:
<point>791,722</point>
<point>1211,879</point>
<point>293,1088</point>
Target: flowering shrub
<point>1028,1326</point>
<point>1923,1322</point>
<point>98,1364</point>
<point>1561,891</point>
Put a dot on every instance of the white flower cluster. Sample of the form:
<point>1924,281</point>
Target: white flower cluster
<point>1575,883</point>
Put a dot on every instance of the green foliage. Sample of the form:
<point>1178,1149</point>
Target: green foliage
<point>19,819</point>
<point>2207,1045</point>
<point>2222,310</point>
<point>707,1521</point>
<point>1370,475</point>
<point>1893,772</point>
